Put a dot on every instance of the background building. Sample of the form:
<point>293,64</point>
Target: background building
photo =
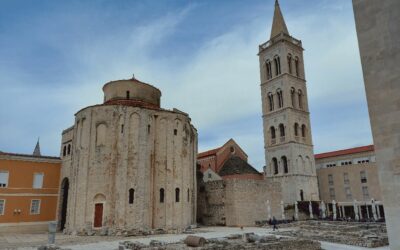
<point>287,130</point>
<point>226,162</point>
<point>128,164</point>
<point>28,191</point>
<point>350,175</point>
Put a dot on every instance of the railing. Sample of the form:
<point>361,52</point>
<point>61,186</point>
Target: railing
<point>278,38</point>
<point>273,141</point>
<point>282,139</point>
<point>297,138</point>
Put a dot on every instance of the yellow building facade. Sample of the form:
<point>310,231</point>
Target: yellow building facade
<point>28,191</point>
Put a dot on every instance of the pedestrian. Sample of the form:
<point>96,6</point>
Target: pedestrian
<point>274,222</point>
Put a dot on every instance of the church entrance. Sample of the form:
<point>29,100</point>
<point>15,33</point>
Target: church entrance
<point>98,215</point>
<point>64,202</point>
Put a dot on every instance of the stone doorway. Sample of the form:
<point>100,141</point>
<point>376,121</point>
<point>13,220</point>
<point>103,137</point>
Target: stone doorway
<point>64,202</point>
<point>98,215</point>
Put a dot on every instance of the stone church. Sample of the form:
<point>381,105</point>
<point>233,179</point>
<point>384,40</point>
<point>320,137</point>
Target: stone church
<point>128,164</point>
<point>286,119</point>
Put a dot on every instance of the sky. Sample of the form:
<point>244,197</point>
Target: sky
<point>55,56</point>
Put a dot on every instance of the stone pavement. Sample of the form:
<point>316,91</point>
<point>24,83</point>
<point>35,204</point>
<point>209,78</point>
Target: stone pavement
<point>24,241</point>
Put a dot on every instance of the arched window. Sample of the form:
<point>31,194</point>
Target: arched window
<point>296,129</point>
<point>303,130</point>
<point>131,195</point>
<point>69,149</point>
<point>300,94</point>
<point>275,165</point>
<point>272,132</point>
<point>282,130</point>
<point>101,134</point>
<point>161,195</point>
<point>127,94</point>
<point>177,194</point>
<point>271,101</point>
<point>269,69</point>
<point>188,195</point>
<point>280,98</point>
<point>296,65</point>
<point>277,61</point>
<point>285,164</point>
<point>65,151</point>
<point>289,61</point>
<point>292,96</point>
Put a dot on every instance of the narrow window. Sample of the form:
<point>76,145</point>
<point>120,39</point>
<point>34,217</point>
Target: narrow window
<point>332,193</point>
<point>363,177</point>
<point>37,180</point>
<point>35,207</point>
<point>175,131</point>
<point>3,179</point>
<point>285,164</point>
<point>277,65</point>
<point>69,149</point>
<point>177,194</point>
<point>148,129</point>
<point>346,178</point>
<point>296,65</point>
<point>2,206</point>
<point>271,101</point>
<point>365,193</point>
<point>272,132</point>
<point>131,195</point>
<point>282,130</point>
<point>280,98</point>
<point>161,195</point>
<point>65,151</point>
<point>330,179</point>
<point>188,195</point>
<point>275,165</point>
<point>301,195</point>
<point>296,129</point>
<point>347,190</point>
<point>127,94</point>
<point>122,128</point>
<point>292,96</point>
<point>303,130</point>
<point>289,60</point>
<point>268,68</point>
<point>300,95</point>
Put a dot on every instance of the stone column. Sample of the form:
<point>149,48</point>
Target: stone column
<point>378,31</point>
<point>360,212</point>
<point>343,212</point>
<point>296,211</point>
<point>269,210</point>
<point>323,210</point>
<point>282,210</point>
<point>378,209</point>
<point>310,210</point>
<point>355,207</point>
<point>334,209</point>
<point>366,207</point>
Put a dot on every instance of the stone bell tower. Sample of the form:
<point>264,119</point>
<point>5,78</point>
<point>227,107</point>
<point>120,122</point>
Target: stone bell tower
<point>287,132</point>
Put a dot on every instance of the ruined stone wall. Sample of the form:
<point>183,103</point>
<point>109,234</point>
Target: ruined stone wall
<point>117,148</point>
<point>240,202</point>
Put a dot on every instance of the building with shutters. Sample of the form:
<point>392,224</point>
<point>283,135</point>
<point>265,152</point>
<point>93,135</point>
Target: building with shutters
<point>28,191</point>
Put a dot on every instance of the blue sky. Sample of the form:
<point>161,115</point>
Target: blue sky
<point>55,57</point>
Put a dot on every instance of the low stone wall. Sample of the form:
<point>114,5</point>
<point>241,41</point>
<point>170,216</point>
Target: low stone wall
<point>238,202</point>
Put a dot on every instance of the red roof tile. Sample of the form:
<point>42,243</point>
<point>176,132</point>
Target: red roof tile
<point>208,153</point>
<point>345,152</point>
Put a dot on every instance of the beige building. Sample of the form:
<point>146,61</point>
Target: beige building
<point>128,164</point>
<point>349,177</point>
<point>287,130</point>
<point>378,33</point>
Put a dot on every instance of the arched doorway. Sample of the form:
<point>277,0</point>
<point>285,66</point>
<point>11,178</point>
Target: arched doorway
<point>64,202</point>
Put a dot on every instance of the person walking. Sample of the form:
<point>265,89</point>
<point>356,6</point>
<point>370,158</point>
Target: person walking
<point>274,222</point>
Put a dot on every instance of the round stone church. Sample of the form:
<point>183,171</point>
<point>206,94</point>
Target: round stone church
<point>128,164</point>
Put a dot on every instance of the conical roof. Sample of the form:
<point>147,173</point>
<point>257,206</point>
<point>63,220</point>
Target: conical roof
<point>36,152</point>
<point>278,23</point>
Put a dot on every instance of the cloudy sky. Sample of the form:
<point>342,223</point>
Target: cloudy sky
<point>55,57</point>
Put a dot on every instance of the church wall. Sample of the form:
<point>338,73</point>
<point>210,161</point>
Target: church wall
<point>141,151</point>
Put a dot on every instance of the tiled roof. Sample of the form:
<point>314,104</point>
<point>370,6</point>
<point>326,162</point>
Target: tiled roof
<point>345,152</point>
<point>236,165</point>
<point>208,153</point>
<point>30,156</point>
